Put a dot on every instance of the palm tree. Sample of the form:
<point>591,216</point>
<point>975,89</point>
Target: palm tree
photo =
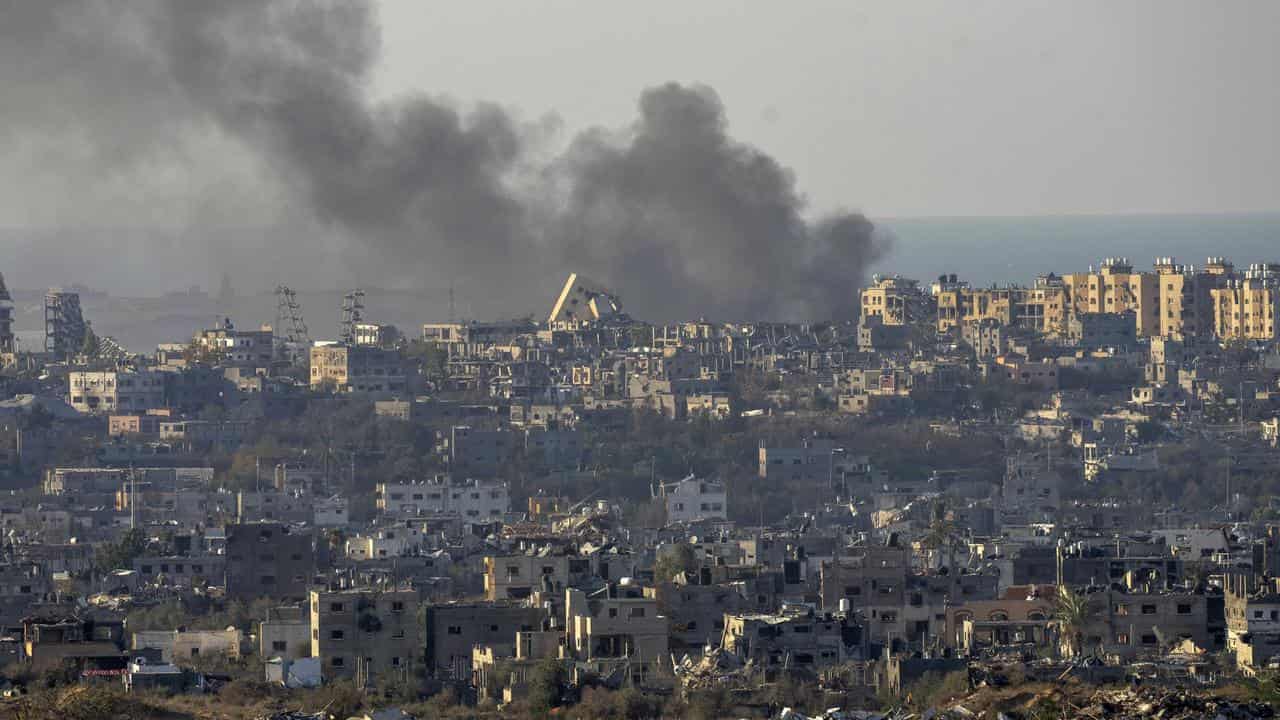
<point>1074,612</point>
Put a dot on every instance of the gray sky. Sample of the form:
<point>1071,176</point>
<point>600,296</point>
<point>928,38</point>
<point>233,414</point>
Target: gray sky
<point>904,108</point>
<point>153,145</point>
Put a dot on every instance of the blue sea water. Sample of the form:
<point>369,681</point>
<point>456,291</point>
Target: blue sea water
<point>986,250</point>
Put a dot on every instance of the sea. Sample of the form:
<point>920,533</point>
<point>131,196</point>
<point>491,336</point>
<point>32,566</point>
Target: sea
<point>980,250</point>
<point>1002,250</point>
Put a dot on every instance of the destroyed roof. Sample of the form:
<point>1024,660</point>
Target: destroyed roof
<point>582,299</point>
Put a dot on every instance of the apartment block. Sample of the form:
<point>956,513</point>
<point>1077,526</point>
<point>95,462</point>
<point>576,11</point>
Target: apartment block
<point>473,500</point>
<point>115,391</point>
<point>1114,288</point>
<point>358,369</point>
<point>268,559</point>
<point>366,635</point>
<point>1247,308</point>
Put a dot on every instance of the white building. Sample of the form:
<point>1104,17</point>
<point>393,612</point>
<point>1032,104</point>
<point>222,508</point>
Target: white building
<point>387,543</point>
<point>691,500</point>
<point>475,500</point>
<point>115,391</point>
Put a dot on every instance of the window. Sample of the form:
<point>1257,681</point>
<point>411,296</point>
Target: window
<point>335,607</point>
<point>1184,609</point>
<point>455,630</point>
<point>397,606</point>
<point>279,646</point>
<point>637,612</point>
<point>336,662</point>
<point>1148,609</point>
<point>337,635</point>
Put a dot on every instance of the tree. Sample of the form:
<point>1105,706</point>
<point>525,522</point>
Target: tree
<point>679,559</point>
<point>119,555</point>
<point>546,685</point>
<point>1074,612</point>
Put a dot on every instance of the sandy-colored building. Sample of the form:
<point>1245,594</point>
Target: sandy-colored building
<point>1113,288</point>
<point>1186,295</point>
<point>894,300</point>
<point>617,626</point>
<point>358,369</point>
<point>1246,308</point>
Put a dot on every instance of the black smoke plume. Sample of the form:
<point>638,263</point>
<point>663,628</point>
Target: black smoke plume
<point>674,214</point>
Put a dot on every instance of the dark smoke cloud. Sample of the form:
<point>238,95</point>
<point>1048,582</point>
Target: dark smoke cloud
<point>719,221</point>
<point>677,216</point>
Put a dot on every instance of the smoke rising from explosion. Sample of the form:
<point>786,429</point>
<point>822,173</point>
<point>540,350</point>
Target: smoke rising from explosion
<point>673,213</point>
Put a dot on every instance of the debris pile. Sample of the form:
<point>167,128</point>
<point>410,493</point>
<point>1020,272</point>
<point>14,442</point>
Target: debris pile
<point>1169,704</point>
<point>715,668</point>
<point>838,714</point>
<point>1142,703</point>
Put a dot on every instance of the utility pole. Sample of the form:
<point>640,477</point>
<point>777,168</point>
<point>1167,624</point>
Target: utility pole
<point>133,498</point>
<point>1240,402</point>
<point>1228,488</point>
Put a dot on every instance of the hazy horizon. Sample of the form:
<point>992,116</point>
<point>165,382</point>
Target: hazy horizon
<point>495,146</point>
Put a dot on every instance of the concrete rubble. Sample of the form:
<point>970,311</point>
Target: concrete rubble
<point>1077,702</point>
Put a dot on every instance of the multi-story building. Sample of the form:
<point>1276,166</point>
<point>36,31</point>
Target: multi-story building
<point>64,326</point>
<point>617,626</point>
<point>1186,296</point>
<point>516,577</point>
<point>1094,331</point>
<point>453,629</point>
<point>1252,612</point>
<point>473,500</point>
<point>285,632</point>
<point>195,571</point>
<point>873,581</point>
<point>115,390</point>
<point>813,459</point>
<point>230,347</point>
<point>364,634</point>
<point>375,334</point>
<point>474,451</point>
<point>895,301</point>
<point>693,500</point>
<point>1115,288</point>
<point>7,344</point>
<point>1247,308</point>
<point>358,369</point>
<point>268,559</point>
